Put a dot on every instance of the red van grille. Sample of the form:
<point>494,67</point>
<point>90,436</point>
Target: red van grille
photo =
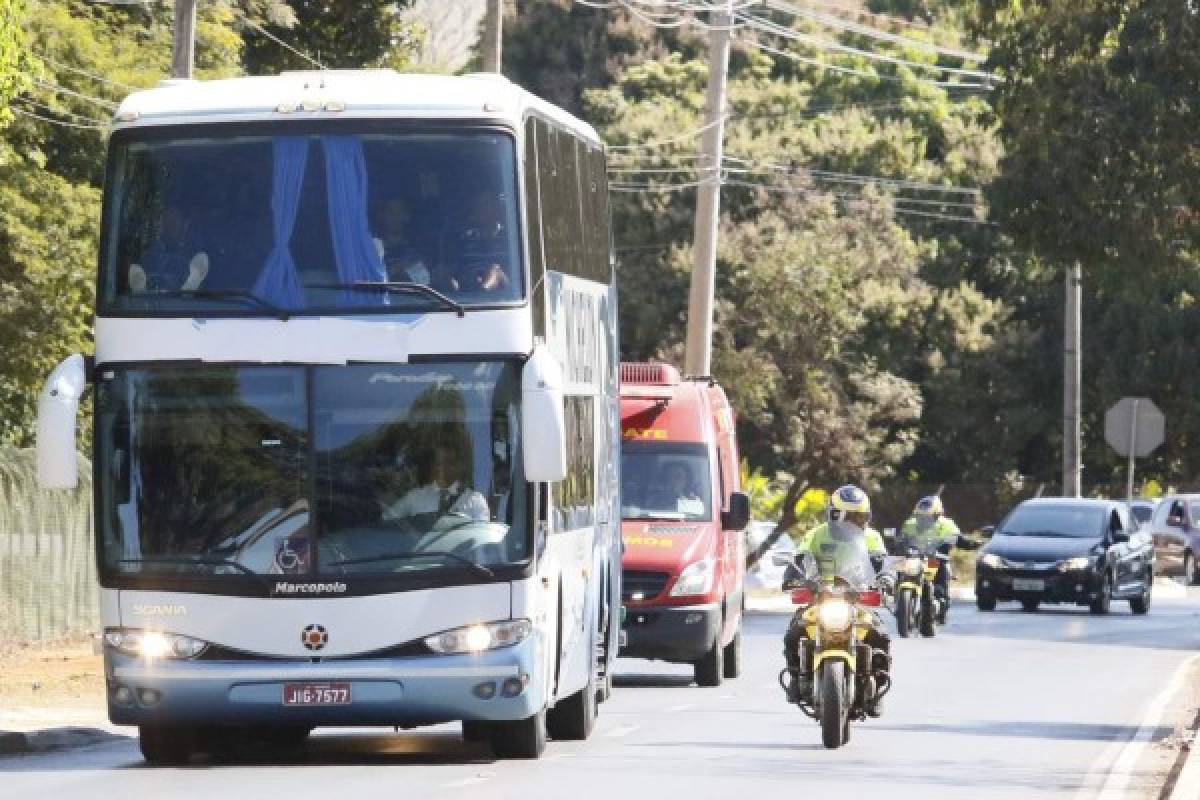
<point>653,374</point>
<point>648,585</point>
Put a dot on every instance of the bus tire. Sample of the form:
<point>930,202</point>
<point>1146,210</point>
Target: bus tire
<point>521,738</point>
<point>710,670</point>
<point>166,746</point>
<point>573,718</point>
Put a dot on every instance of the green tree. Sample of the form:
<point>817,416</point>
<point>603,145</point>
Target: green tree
<point>13,54</point>
<point>340,34</point>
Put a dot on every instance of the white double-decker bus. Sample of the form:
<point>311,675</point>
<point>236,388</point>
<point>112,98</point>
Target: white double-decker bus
<point>356,423</point>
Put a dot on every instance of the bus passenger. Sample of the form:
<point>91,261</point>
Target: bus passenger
<point>170,261</point>
<point>481,247</point>
<point>401,257</point>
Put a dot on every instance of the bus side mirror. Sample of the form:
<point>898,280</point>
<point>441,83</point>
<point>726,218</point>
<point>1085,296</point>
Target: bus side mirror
<point>58,411</point>
<point>738,515</point>
<point>543,429</point>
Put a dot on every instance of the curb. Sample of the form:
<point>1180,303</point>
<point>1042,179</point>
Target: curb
<point>49,739</point>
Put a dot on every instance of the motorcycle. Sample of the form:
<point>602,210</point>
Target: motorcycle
<point>846,671</point>
<point>919,605</point>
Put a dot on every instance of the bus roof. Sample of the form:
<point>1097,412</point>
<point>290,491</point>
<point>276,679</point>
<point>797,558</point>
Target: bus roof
<point>332,94</point>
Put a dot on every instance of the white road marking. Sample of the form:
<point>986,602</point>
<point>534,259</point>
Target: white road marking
<point>1123,755</point>
<point>474,780</point>
<point>680,707</point>
<point>621,730</point>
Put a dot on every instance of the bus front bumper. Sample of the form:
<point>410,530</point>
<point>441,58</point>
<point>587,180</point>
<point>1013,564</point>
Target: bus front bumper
<point>413,690</point>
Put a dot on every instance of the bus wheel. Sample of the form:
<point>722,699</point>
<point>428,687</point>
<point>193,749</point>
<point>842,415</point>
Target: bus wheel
<point>166,746</point>
<point>522,738</point>
<point>573,718</point>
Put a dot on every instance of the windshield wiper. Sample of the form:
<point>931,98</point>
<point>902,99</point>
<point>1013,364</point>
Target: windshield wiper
<point>478,569</point>
<point>399,287</point>
<point>222,294</point>
<point>203,562</point>
<point>1054,534</point>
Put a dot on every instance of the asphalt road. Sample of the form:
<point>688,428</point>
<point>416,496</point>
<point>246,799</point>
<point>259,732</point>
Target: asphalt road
<point>1000,705</point>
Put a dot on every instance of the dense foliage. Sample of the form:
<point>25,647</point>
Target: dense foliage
<point>892,239</point>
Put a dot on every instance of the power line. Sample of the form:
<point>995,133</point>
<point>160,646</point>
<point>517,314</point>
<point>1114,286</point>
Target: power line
<point>863,73</point>
<point>813,41</point>
<point>54,87</point>
<point>60,112</point>
<point>832,21</point>
<point>285,45</point>
<point>80,71</point>
<point>62,123</point>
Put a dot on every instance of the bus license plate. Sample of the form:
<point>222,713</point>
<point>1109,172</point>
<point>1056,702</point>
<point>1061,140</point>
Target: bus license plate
<point>1028,585</point>
<point>316,694</point>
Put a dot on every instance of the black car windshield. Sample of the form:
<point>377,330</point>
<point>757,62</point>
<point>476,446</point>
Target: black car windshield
<point>310,471</point>
<point>665,480</point>
<point>214,219</point>
<point>1078,522</point>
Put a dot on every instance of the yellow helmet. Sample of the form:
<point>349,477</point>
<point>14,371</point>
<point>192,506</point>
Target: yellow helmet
<point>930,506</point>
<point>848,499</point>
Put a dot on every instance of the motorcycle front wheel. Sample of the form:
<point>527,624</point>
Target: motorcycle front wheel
<point>927,614</point>
<point>834,704</point>
<point>904,602</point>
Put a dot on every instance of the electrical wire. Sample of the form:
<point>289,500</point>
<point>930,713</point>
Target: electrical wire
<point>81,71</point>
<point>832,21</point>
<point>26,113</point>
<point>54,87</point>
<point>824,44</point>
<point>61,112</point>
<point>285,45</point>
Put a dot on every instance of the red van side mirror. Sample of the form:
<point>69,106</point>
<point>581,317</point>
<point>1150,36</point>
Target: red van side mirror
<point>738,515</point>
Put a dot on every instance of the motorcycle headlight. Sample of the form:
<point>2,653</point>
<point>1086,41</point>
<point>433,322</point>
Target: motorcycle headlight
<point>913,565</point>
<point>696,579</point>
<point>991,560</point>
<point>153,644</point>
<point>477,638</point>
<point>1075,564</point>
<point>835,615</point>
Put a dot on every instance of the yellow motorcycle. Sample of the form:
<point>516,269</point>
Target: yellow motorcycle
<point>918,605</point>
<point>847,678</point>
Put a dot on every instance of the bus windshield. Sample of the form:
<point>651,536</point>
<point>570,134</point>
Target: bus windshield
<point>662,480</point>
<point>328,471</point>
<point>240,220</point>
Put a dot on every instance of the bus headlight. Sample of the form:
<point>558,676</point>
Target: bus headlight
<point>153,644</point>
<point>696,579</point>
<point>477,638</point>
<point>835,615</point>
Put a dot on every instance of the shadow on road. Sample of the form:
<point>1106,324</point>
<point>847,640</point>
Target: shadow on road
<point>1062,731</point>
<point>652,681</point>
<point>337,749</point>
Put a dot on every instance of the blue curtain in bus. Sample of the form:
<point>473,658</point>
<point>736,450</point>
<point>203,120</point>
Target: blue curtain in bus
<point>278,282</point>
<point>353,248</point>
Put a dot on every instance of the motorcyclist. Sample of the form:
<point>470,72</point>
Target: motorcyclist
<point>848,513</point>
<point>929,529</point>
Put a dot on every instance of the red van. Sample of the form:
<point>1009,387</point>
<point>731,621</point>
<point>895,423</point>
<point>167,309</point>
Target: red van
<point>683,514</point>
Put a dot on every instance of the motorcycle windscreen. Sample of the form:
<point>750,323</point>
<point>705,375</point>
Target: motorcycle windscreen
<point>843,555</point>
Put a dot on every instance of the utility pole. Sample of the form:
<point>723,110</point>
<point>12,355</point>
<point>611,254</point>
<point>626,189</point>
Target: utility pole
<point>493,35</point>
<point>1072,352</point>
<point>184,50</point>
<point>698,355</point>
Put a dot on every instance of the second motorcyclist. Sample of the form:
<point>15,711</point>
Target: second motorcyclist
<point>840,537</point>
<point>930,530</point>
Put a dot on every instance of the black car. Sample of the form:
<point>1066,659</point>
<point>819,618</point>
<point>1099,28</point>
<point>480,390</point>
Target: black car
<point>1067,550</point>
